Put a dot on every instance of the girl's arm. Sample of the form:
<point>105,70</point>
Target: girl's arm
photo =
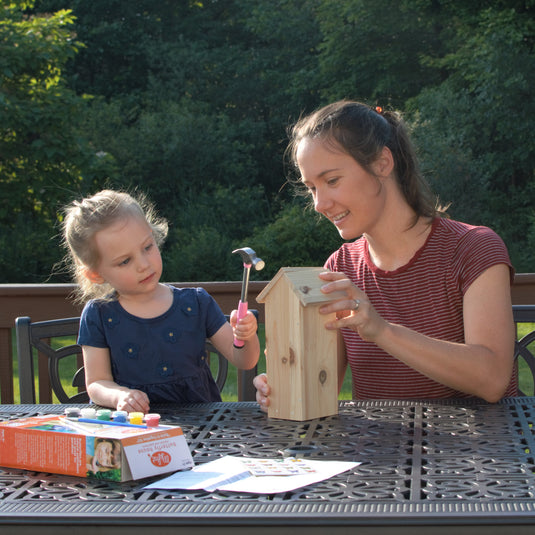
<point>243,358</point>
<point>101,387</point>
<point>481,366</point>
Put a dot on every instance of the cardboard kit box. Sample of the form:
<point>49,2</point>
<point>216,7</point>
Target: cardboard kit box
<point>61,445</point>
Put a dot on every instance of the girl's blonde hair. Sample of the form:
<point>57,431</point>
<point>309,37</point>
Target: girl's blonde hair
<point>83,219</point>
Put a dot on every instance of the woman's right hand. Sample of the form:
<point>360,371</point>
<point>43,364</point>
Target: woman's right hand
<point>262,391</point>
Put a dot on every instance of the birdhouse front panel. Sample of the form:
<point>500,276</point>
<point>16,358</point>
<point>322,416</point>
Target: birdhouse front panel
<point>301,355</point>
<point>320,365</point>
<point>284,362</point>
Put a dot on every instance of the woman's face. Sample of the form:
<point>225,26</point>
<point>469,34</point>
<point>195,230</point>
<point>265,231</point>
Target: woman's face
<point>350,197</point>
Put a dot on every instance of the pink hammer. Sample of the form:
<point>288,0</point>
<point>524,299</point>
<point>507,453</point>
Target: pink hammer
<point>249,260</point>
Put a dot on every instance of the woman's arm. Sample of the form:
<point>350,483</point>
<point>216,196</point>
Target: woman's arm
<point>101,387</point>
<point>481,366</point>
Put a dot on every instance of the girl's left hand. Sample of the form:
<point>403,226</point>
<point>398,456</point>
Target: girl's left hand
<point>244,329</point>
<point>353,311</point>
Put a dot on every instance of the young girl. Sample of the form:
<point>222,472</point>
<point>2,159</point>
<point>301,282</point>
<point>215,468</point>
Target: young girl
<point>427,312</point>
<point>143,341</point>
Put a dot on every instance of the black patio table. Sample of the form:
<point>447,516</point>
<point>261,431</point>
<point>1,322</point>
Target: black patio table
<point>461,466</point>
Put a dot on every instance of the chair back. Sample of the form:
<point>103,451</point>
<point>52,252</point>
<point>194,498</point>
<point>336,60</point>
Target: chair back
<point>40,336</point>
<point>222,364</point>
<point>524,350</point>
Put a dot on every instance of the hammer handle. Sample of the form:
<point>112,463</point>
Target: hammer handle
<point>242,312</point>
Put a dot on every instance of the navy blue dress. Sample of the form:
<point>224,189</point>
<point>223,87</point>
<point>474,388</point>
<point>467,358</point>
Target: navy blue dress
<point>162,356</point>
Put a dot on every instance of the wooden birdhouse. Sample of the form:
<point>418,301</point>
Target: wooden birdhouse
<point>301,354</point>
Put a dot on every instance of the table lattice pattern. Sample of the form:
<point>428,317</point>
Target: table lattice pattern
<point>453,462</point>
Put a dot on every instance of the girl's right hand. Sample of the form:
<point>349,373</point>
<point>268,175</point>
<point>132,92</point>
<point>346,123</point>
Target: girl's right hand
<point>262,391</point>
<point>133,401</point>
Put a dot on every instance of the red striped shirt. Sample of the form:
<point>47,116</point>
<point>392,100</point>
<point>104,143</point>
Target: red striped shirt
<point>425,295</point>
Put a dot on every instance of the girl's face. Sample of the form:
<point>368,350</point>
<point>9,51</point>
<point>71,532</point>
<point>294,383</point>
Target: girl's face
<point>350,197</point>
<point>130,260</point>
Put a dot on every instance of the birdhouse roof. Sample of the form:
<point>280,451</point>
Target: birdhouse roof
<point>304,282</point>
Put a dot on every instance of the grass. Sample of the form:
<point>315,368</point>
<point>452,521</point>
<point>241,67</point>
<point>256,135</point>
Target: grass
<point>230,390</point>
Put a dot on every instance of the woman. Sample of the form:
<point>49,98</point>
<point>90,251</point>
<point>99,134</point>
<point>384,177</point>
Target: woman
<point>427,312</point>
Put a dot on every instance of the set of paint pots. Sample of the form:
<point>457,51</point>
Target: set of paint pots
<point>104,416</point>
<point>151,419</point>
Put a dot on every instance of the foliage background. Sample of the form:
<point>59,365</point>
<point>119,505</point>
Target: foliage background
<point>189,101</point>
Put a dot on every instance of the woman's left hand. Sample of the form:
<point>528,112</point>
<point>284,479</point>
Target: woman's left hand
<point>354,310</point>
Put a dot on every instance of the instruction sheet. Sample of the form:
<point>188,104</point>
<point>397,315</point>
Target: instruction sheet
<point>253,475</point>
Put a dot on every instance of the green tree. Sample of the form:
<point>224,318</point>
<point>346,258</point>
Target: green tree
<point>298,237</point>
<point>40,156</point>
<point>475,129</point>
<point>191,101</point>
<point>204,122</point>
<point>372,50</point>
<point>114,60</point>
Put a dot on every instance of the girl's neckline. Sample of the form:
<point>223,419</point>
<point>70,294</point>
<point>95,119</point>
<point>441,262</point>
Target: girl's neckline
<point>159,312</point>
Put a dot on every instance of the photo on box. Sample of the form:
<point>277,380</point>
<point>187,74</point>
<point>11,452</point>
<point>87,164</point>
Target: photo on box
<point>103,458</point>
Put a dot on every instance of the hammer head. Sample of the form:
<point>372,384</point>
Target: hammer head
<point>249,257</point>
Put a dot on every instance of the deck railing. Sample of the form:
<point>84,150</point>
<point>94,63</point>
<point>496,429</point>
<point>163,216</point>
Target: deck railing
<point>50,301</point>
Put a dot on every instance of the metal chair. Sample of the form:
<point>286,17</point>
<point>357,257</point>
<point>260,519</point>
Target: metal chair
<point>39,335</point>
<point>523,348</point>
